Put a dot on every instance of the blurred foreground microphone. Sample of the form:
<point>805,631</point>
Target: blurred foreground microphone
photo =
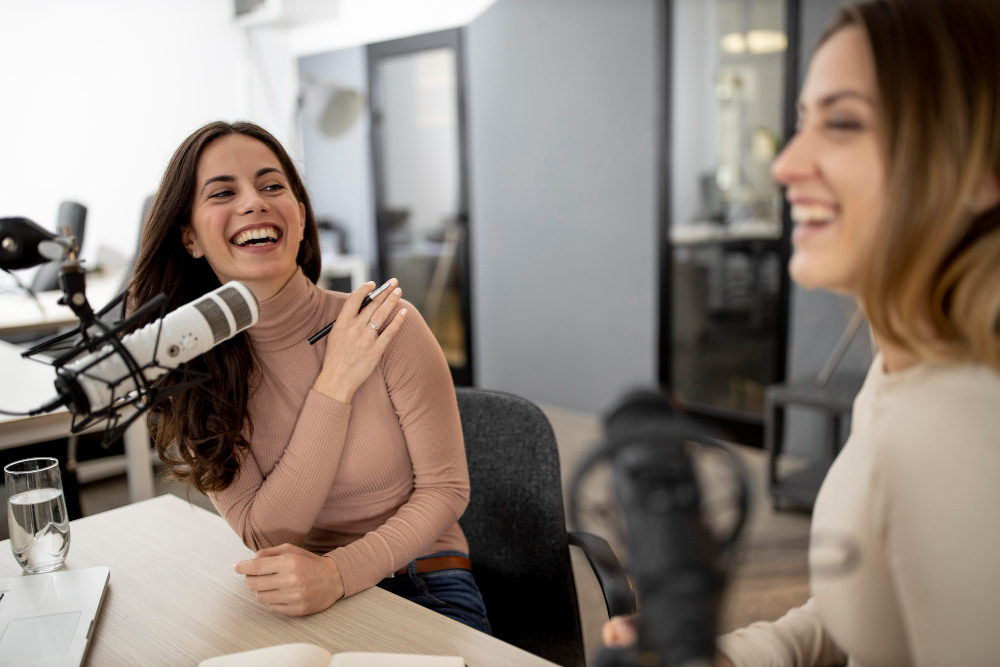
<point>94,382</point>
<point>677,564</point>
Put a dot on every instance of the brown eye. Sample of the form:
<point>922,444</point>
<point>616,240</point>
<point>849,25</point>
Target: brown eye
<point>845,125</point>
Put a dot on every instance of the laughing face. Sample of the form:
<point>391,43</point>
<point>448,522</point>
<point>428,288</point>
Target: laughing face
<point>834,167</point>
<point>245,220</point>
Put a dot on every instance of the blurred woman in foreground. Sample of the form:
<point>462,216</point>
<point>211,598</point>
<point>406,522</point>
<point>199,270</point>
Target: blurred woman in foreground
<point>893,183</point>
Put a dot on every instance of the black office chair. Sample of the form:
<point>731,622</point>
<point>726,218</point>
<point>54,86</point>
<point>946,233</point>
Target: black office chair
<point>517,530</point>
<point>74,216</point>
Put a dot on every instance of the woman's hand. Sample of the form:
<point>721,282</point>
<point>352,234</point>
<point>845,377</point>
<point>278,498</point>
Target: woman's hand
<point>291,580</point>
<point>620,632</point>
<point>353,347</point>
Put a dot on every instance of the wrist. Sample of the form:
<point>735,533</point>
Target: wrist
<point>335,577</point>
<point>333,389</point>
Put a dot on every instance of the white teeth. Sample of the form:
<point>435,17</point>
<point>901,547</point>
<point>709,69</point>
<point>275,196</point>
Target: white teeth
<point>250,234</point>
<point>803,213</point>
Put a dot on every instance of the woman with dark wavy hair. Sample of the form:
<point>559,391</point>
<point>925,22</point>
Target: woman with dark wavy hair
<point>342,464</point>
<point>894,184</point>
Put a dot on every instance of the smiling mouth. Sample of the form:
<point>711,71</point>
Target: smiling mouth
<point>256,237</point>
<point>812,215</point>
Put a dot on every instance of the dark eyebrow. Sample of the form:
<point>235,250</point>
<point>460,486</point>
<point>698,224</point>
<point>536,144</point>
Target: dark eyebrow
<point>230,179</point>
<point>268,170</point>
<point>216,179</point>
<point>836,97</point>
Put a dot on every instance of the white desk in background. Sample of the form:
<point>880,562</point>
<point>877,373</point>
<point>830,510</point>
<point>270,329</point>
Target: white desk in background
<point>702,232</point>
<point>27,384</point>
<point>19,313</point>
<point>343,266</point>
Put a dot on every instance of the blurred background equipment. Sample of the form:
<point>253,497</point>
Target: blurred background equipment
<point>677,551</point>
<point>74,216</point>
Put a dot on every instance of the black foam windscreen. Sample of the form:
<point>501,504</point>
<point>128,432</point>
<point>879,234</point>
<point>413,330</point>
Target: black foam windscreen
<point>238,305</point>
<point>215,317</point>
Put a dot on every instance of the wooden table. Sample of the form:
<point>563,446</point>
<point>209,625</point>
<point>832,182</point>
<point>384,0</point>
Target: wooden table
<point>174,599</point>
<point>26,384</point>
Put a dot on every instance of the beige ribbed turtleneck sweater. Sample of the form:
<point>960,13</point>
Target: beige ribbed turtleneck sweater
<point>373,484</point>
<point>904,555</point>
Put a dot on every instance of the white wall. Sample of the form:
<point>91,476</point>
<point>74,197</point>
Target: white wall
<point>98,94</point>
<point>361,22</point>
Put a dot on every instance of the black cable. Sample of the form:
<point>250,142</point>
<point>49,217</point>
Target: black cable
<point>27,289</point>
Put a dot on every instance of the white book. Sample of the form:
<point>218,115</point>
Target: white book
<point>310,655</point>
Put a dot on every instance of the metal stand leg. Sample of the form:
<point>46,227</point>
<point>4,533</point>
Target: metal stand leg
<point>139,461</point>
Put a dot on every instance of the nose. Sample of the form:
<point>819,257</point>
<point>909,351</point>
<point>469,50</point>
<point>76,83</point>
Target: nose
<point>796,162</point>
<point>252,202</point>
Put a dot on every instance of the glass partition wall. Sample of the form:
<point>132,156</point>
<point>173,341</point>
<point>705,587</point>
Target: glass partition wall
<point>726,249</point>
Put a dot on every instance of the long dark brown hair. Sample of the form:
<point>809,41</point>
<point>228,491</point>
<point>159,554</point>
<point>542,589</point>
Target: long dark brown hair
<point>199,434</point>
<point>933,282</point>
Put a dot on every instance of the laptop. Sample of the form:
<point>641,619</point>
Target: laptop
<point>47,620</point>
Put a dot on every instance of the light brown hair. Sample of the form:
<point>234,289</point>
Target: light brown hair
<point>199,433</point>
<point>933,282</point>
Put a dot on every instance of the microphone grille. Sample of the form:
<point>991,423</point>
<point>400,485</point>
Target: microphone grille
<point>238,305</point>
<point>215,317</point>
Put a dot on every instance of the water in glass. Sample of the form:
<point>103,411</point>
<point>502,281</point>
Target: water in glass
<point>36,514</point>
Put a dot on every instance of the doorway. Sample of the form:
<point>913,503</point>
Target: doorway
<point>421,183</point>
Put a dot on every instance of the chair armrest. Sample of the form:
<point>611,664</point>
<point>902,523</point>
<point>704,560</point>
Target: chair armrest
<point>615,584</point>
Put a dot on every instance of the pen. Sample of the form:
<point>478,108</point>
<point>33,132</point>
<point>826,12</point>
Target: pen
<point>368,299</point>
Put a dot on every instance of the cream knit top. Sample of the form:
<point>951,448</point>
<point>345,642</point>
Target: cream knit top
<point>904,551</point>
<point>373,484</point>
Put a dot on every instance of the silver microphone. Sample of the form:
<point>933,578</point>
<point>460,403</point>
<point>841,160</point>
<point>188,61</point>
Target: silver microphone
<point>95,381</point>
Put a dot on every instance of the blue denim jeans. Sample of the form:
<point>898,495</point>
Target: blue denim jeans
<point>452,593</point>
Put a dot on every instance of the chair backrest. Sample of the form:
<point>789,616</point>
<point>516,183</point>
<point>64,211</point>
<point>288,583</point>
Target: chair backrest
<point>75,216</point>
<point>516,526</point>
<point>130,269</point>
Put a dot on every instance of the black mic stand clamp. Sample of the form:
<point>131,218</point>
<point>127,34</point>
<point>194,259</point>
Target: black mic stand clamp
<point>73,282</point>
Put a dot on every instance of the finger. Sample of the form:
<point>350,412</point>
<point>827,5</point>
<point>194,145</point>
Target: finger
<point>277,551</point>
<point>265,582</point>
<point>259,566</point>
<point>381,315</point>
<point>390,330</point>
<point>619,632</point>
<point>379,298</point>
<point>353,302</point>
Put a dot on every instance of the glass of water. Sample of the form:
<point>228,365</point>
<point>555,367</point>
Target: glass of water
<point>36,514</point>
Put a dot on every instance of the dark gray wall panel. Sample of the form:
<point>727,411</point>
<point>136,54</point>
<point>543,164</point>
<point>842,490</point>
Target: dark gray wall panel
<point>563,137</point>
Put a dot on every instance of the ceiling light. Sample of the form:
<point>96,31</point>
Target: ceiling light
<point>734,42</point>
<point>765,41</point>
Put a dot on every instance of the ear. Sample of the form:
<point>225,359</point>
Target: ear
<point>189,237</point>
<point>302,220</point>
